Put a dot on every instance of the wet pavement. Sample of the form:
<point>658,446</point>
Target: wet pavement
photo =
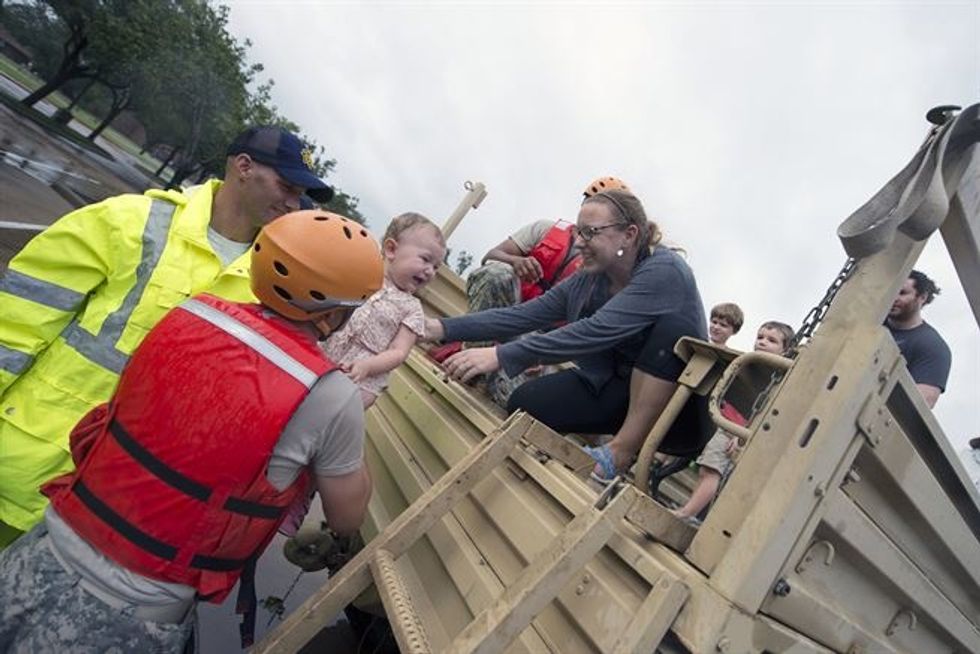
<point>42,177</point>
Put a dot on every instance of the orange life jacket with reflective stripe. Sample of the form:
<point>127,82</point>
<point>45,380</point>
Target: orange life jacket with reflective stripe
<point>172,484</point>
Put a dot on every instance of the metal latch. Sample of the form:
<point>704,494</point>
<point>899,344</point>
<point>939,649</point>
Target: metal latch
<point>872,421</point>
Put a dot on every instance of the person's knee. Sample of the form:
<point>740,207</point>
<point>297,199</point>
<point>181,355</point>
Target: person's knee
<point>492,285</point>
<point>657,357</point>
<point>492,274</point>
<point>519,399</point>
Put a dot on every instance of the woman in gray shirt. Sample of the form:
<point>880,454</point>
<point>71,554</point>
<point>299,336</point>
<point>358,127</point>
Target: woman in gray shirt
<point>625,308</point>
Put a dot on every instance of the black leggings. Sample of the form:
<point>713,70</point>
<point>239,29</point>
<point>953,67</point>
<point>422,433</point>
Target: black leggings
<point>566,402</point>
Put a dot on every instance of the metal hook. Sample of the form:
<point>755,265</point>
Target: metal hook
<point>897,620</point>
<point>811,554</point>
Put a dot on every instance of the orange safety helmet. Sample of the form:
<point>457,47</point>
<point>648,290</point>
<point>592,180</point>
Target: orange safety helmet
<point>601,184</point>
<point>306,264</point>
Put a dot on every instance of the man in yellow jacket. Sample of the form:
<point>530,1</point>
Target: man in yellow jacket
<point>79,298</point>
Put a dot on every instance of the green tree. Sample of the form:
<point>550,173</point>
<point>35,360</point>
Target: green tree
<point>35,24</point>
<point>463,261</point>
<point>173,62</point>
<point>106,40</point>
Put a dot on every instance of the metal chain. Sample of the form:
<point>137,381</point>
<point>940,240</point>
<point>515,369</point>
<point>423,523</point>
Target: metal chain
<point>810,323</point>
<point>760,399</point>
<point>277,605</point>
<point>817,313</point>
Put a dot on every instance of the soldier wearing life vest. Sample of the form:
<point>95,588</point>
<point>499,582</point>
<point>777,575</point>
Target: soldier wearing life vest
<point>522,267</point>
<point>78,299</point>
<point>529,261</point>
<point>226,416</point>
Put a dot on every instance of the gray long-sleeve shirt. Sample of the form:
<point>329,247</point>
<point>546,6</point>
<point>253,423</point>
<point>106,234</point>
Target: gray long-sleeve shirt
<point>604,334</point>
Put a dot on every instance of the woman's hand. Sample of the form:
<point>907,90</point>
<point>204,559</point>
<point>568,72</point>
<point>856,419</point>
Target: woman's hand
<point>434,331</point>
<point>466,364</point>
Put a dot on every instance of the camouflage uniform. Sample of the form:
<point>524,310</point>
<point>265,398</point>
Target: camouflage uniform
<point>494,286</point>
<point>43,608</point>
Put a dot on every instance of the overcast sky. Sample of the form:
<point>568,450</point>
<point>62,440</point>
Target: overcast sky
<point>749,130</point>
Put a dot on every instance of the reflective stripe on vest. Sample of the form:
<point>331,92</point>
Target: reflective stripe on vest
<point>263,346</point>
<point>38,290</point>
<point>100,348</point>
<point>14,361</point>
<point>155,544</point>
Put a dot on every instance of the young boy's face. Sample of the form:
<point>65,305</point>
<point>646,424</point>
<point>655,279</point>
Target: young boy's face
<point>720,330</point>
<point>769,340</point>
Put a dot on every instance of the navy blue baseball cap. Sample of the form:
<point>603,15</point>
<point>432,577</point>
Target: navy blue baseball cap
<point>286,153</point>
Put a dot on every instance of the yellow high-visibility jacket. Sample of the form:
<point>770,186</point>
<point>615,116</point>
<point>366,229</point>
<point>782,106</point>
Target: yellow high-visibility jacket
<point>74,304</point>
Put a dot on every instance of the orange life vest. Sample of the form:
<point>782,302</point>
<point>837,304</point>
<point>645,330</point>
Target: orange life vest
<point>550,252</point>
<point>172,480</point>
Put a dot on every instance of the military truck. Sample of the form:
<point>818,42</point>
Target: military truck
<point>848,525</point>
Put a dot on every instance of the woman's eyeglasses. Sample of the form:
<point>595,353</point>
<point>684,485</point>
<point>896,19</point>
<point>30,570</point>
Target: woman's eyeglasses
<point>589,231</point>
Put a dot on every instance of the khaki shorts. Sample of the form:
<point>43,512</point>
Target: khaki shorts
<point>714,455</point>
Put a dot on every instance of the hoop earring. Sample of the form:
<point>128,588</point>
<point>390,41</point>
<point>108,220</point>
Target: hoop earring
<point>619,252</point>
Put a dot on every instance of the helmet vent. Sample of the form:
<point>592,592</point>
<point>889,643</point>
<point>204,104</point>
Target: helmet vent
<point>257,247</point>
<point>347,231</point>
<point>364,233</point>
<point>280,268</point>
<point>283,293</point>
<point>321,216</point>
<point>318,296</point>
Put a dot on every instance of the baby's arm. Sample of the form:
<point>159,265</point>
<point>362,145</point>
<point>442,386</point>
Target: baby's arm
<point>386,361</point>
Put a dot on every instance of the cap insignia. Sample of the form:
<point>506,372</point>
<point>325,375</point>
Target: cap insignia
<point>307,155</point>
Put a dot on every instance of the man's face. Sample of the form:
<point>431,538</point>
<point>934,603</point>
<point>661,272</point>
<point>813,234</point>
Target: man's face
<point>266,195</point>
<point>720,330</point>
<point>907,303</point>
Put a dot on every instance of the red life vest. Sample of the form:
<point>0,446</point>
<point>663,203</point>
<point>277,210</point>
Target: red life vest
<point>550,253</point>
<point>173,485</point>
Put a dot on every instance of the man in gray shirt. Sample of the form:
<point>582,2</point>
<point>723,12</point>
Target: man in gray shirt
<point>926,353</point>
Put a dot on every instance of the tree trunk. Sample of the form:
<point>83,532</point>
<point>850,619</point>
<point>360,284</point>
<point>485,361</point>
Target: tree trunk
<point>183,172</point>
<point>111,116</point>
<point>60,78</point>
<point>170,157</point>
<point>120,100</point>
<point>79,95</point>
<point>70,68</point>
